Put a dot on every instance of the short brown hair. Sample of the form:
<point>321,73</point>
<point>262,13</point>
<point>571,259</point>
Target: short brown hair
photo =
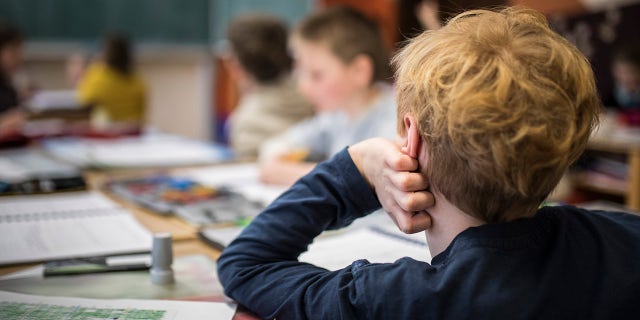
<point>259,42</point>
<point>347,33</point>
<point>504,106</point>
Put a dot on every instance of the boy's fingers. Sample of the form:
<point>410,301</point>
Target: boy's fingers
<point>401,162</point>
<point>408,181</point>
<point>411,222</point>
<point>412,201</point>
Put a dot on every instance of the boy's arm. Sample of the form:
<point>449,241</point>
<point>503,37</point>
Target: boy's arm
<point>260,268</point>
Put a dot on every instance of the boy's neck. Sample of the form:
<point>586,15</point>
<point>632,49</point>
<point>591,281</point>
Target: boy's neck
<point>361,102</point>
<point>447,221</point>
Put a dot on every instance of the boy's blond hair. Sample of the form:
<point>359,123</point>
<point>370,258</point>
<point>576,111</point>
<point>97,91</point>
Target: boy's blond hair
<point>504,106</point>
<point>347,33</point>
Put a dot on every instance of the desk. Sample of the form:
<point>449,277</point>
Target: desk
<point>185,240</point>
<point>186,245</point>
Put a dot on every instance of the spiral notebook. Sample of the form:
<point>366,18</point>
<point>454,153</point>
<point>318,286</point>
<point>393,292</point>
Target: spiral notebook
<point>64,226</point>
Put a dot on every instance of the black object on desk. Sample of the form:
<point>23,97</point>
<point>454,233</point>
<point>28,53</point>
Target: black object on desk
<point>27,171</point>
<point>91,265</point>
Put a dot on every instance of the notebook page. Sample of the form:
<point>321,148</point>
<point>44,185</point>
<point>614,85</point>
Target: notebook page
<point>41,228</point>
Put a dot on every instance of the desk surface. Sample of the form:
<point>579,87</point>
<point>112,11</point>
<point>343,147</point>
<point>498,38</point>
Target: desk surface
<point>185,243</point>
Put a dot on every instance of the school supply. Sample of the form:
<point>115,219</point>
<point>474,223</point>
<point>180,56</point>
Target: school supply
<point>197,204</point>
<point>241,178</point>
<point>219,238</point>
<point>63,226</point>
<point>97,265</point>
<point>14,306</point>
<point>27,171</point>
<point>147,150</point>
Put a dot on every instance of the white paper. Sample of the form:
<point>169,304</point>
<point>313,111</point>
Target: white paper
<point>339,251</point>
<point>70,225</point>
<point>173,310</point>
<point>53,99</point>
<point>241,178</point>
<point>222,236</point>
<point>145,151</point>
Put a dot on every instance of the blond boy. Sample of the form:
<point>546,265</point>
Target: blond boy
<point>492,110</point>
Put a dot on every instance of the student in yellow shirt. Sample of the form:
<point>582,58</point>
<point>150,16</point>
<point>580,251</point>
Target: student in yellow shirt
<point>112,87</point>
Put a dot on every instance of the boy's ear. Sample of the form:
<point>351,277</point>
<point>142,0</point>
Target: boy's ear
<point>362,67</point>
<point>412,139</point>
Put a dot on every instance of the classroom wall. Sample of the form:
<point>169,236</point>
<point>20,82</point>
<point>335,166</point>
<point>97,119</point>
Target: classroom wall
<point>179,80</point>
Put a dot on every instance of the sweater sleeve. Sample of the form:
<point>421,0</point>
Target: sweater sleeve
<point>260,269</point>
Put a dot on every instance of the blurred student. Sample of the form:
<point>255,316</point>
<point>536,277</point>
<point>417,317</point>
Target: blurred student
<point>625,98</point>
<point>259,62</point>
<point>625,69</point>
<point>12,117</point>
<point>113,89</point>
<point>492,108</point>
<point>340,64</point>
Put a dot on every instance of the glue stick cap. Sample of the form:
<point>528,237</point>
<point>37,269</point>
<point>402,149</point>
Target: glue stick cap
<point>161,259</point>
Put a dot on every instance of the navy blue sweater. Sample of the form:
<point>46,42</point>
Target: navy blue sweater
<point>563,263</point>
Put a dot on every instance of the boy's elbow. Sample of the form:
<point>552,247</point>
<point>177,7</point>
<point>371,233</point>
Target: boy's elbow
<point>231,265</point>
<point>226,267</point>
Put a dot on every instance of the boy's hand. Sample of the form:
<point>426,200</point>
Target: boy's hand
<point>391,173</point>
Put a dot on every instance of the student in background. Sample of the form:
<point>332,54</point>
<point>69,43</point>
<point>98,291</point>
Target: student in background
<point>260,64</point>
<point>11,116</point>
<point>340,64</point>
<point>113,89</point>
<point>492,109</point>
<point>625,98</point>
<point>626,75</point>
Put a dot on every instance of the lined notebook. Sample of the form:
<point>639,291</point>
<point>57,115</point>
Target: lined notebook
<point>69,225</point>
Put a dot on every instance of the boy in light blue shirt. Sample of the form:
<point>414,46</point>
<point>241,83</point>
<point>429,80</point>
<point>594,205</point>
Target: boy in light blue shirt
<point>340,64</point>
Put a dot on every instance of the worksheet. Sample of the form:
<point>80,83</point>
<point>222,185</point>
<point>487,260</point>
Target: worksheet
<point>15,306</point>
